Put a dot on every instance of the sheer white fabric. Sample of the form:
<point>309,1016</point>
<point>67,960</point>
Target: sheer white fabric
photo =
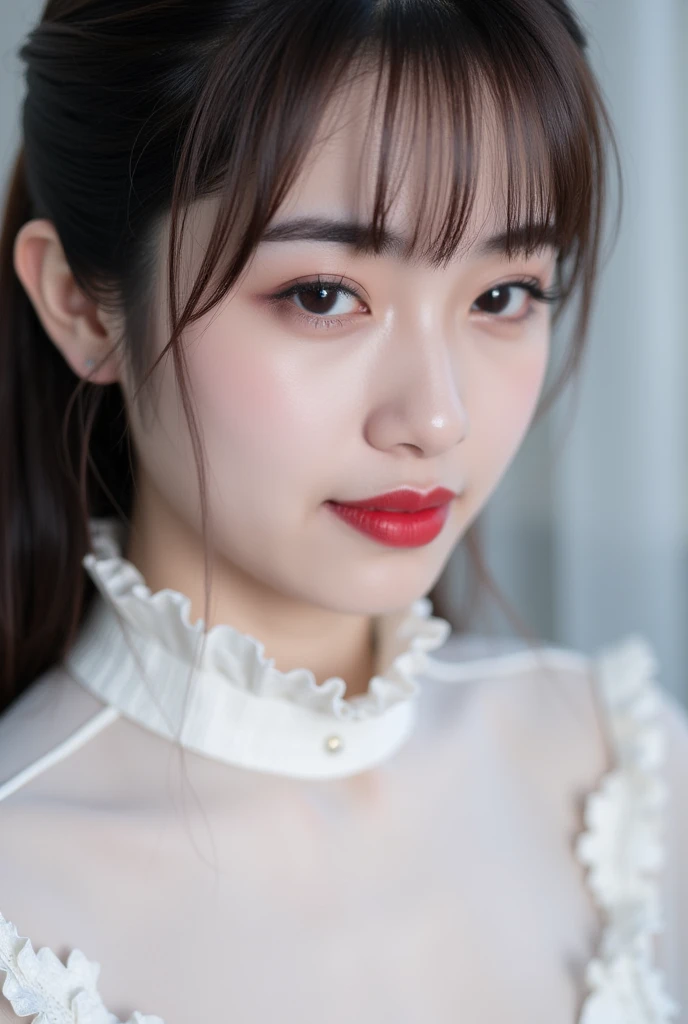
<point>504,839</point>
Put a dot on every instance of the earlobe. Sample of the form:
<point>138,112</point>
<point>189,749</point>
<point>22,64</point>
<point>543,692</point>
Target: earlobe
<point>97,370</point>
<point>68,317</point>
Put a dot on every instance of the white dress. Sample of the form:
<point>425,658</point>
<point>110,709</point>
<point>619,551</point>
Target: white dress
<point>486,836</point>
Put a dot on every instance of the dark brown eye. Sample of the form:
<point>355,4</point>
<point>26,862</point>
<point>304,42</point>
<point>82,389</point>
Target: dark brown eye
<point>502,299</point>
<point>319,301</point>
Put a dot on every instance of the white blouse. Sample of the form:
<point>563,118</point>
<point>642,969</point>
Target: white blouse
<point>487,835</point>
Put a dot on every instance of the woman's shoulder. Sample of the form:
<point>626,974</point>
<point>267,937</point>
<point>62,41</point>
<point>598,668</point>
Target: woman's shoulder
<point>52,718</point>
<point>609,711</point>
<point>598,736</point>
<point>539,701</point>
<point>53,711</point>
<point>618,684</point>
<point>604,741</point>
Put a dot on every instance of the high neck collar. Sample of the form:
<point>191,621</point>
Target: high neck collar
<point>136,651</point>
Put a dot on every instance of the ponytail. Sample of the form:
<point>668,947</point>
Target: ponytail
<point>44,591</point>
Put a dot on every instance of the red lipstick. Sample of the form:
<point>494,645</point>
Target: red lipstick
<point>401,519</point>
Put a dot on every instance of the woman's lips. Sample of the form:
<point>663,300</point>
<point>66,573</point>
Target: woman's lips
<point>395,529</point>
<point>405,499</point>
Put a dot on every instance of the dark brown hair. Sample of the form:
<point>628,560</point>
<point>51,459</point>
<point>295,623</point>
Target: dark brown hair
<point>136,108</point>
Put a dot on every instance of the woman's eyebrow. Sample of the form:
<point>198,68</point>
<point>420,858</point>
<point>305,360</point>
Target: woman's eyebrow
<point>358,236</point>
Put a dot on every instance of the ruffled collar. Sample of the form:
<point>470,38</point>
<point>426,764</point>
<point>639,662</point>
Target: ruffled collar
<point>136,650</point>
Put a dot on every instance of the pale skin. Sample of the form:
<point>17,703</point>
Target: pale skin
<point>413,385</point>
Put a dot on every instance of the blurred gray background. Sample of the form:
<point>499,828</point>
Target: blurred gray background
<point>587,534</point>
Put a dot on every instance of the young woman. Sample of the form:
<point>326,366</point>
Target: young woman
<point>277,288</point>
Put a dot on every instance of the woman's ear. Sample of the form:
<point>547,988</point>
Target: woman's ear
<point>77,326</point>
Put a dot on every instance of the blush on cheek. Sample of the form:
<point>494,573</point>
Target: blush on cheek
<point>257,428</point>
<point>238,398</point>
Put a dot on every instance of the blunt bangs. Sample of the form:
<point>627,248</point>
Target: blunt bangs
<point>456,68</point>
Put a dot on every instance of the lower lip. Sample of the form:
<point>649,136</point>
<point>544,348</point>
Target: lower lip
<point>395,529</point>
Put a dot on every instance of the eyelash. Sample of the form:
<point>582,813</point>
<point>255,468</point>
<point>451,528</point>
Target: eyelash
<point>530,285</point>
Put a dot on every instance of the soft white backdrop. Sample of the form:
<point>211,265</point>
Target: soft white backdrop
<point>587,533</point>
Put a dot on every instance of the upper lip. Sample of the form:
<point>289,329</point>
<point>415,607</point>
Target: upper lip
<point>404,500</point>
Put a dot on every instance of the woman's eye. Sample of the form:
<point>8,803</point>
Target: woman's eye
<point>320,303</point>
<point>512,301</point>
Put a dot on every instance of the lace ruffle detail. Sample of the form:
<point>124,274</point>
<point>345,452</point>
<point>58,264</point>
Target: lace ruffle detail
<point>403,639</point>
<point>39,983</point>
<point>623,847</point>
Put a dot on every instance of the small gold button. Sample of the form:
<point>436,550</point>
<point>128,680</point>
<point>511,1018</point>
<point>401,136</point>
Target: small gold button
<point>333,744</point>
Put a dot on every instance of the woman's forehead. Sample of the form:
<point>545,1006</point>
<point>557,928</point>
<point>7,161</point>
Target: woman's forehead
<point>339,178</point>
<point>446,190</point>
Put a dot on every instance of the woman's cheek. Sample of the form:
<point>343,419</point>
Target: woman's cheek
<point>253,419</point>
<point>524,396</point>
<point>507,404</point>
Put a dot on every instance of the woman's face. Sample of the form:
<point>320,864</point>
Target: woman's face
<point>398,375</point>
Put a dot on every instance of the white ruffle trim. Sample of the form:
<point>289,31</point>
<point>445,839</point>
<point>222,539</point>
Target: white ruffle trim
<point>623,845</point>
<point>403,639</point>
<point>39,983</point>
